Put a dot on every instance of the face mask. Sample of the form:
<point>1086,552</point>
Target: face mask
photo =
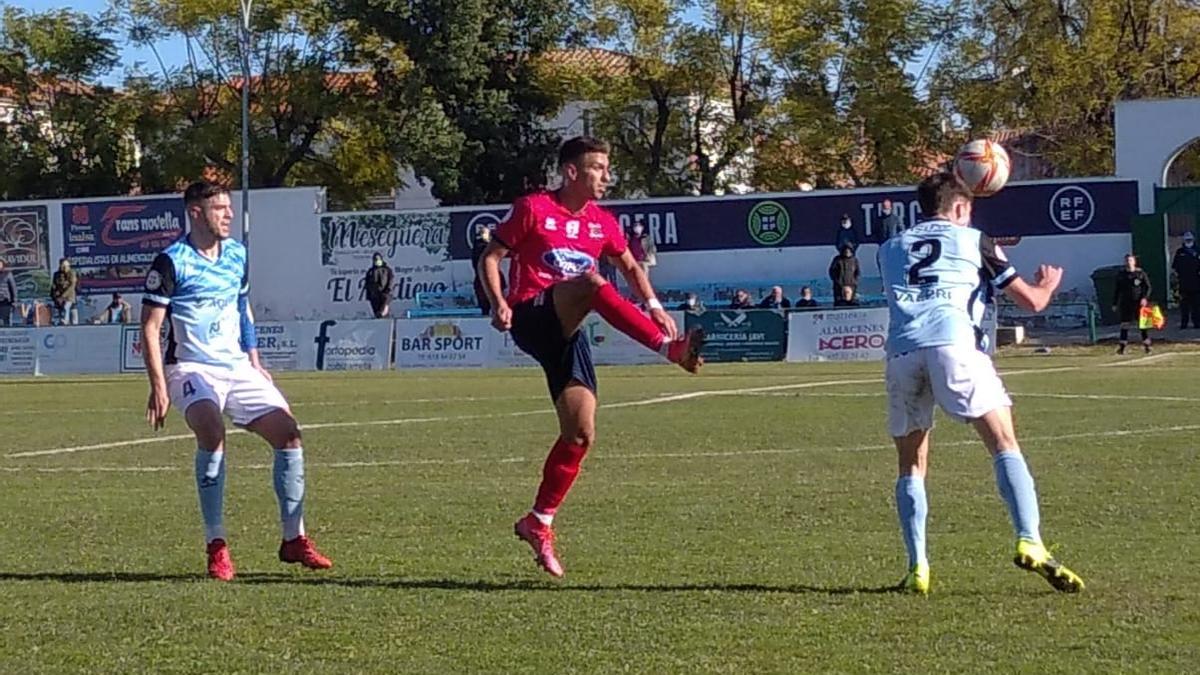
<point>845,224</point>
<point>638,231</point>
<point>379,263</point>
<point>691,302</point>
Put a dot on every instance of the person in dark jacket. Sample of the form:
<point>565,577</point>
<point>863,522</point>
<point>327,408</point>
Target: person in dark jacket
<point>806,298</point>
<point>741,300</point>
<point>775,300</point>
<point>1186,264</point>
<point>845,234</point>
<point>844,273</point>
<point>1131,295</point>
<point>378,285</point>
<point>8,295</point>
<point>62,294</point>
<point>892,223</point>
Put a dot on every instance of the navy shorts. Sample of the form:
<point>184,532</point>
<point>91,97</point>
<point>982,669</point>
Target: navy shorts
<point>538,332</point>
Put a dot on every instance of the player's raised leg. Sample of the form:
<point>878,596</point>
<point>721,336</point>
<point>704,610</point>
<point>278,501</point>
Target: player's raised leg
<point>279,429</point>
<point>576,408</point>
<point>576,298</point>
<point>1016,487</point>
<point>204,419</point>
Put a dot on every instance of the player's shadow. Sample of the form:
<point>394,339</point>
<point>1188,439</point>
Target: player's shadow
<point>98,577</point>
<point>481,586</point>
<point>477,586</point>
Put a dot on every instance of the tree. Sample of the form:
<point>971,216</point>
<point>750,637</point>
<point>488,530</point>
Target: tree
<point>315,118</point>
<point>684,109</point>
<point>467,66</point>
<point>850,108</point>
<point>1058,69</point>
<point>67,136</point>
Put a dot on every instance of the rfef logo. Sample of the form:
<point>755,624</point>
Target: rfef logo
<point>769,223</point>
<point>1072,208</point>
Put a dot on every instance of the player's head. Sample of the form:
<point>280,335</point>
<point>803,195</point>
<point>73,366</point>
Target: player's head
<point>583,163</point>
<point>1130,261</point>
<point>806,293</point>
<point>64,264</point>
<point>209,208</point>
<point>777,292</point>
<point>944,196</point>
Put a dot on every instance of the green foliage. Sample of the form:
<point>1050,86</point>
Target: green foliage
<point>65,136</point>
<point>1058,69</point>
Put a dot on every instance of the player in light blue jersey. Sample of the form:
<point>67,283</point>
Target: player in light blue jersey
<point>200,286</point>
<point>938,276</point>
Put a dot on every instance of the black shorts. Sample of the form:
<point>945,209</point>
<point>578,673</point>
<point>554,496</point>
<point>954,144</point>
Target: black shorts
<point>538,332</point>
<point>1128,311</point>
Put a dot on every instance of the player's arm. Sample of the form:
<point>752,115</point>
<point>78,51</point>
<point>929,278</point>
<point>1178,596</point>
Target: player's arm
<point>640,283</point>
<point>1030,296</point>
<point>248,337</point>
<point>489,272</point>
<point>508,235</point>
<point>156,298</point>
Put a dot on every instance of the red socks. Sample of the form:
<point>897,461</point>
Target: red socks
<point>625,317</point>
<point>558,474</point>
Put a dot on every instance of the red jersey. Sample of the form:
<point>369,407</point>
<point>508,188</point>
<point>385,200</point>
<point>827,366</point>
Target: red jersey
<point>550,244</point>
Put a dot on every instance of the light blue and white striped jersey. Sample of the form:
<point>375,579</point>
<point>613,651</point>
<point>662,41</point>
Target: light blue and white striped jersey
<point>207,303</point>
<point>938,278</point>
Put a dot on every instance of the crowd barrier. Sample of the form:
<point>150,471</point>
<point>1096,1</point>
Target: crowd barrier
<point>842,334</point>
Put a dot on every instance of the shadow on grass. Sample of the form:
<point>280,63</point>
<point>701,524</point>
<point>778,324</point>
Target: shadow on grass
<point>478,586</point>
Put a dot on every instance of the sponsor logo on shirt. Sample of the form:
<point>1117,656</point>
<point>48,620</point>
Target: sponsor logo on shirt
<point>568,261</point>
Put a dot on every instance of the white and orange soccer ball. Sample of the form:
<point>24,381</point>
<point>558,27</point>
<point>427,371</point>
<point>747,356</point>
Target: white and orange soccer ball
<point>983,165</point>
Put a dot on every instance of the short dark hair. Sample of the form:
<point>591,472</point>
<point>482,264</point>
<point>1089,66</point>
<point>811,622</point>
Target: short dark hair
<point>574,149</point>
<point>937,193</point>
<point>202,190</point>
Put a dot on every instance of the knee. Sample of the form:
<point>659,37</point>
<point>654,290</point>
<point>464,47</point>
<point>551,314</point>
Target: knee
<point>583,437</point>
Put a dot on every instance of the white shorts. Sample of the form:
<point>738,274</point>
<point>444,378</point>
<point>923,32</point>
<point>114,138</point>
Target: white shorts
<point>242,393</point>
<point>960,379</point>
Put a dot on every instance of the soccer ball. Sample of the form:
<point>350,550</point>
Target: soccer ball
<point>983,166</point>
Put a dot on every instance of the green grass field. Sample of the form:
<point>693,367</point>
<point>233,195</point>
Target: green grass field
<point>746,528</point>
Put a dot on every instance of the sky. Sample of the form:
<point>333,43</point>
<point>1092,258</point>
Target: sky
<point>173,52</point>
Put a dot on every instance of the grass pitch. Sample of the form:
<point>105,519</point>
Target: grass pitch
<point>738,521</point>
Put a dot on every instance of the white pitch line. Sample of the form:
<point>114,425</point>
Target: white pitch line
<point>301,404</point>
<point>600,457</point>
<point>523,413</point>
<point>1017,394</point>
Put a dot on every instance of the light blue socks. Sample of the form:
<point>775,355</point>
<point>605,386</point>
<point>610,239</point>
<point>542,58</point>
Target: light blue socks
<point>913,508</point>
<point>1016,487</point>
<point>289,489</point>
<point>210,484</point>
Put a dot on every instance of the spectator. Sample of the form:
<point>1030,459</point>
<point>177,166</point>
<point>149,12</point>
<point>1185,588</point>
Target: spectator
<point>893,223</point>
<point>641,245</point>
<point>692,304</point>
<point>1186,264</point>
<point>741,300</point>
<point>8,294</point>
<point>775,300</point>
<point>378,285</point>
<point>117,311</point>
<point>62,294</point>
<point>845,235</point>
<point>806,298</point>
<point>843,272</point>
<point>1130,296</point>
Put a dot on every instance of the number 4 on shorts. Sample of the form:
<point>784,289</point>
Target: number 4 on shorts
<point>188,388</point>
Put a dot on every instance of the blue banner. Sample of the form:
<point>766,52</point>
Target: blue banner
<point>811,219</point>
<point>112,243</point>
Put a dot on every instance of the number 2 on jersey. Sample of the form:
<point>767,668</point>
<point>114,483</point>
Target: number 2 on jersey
<point>928,251</point>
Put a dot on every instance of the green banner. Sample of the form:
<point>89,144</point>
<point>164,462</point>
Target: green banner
<point>742,335</point>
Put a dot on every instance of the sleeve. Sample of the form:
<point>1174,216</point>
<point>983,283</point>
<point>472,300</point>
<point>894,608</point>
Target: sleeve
<point>516,225</point>
<point>615,243</point>
<point>996,267</point>
<point>1117,291</point>
<point>248,338</point>
<point>389,280</point>
<point>160,282</point>
<point>1147,289</point>
<point>833,275</point>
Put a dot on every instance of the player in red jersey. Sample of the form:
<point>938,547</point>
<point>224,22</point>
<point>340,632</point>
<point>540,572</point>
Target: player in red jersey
<point>555,240</point>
